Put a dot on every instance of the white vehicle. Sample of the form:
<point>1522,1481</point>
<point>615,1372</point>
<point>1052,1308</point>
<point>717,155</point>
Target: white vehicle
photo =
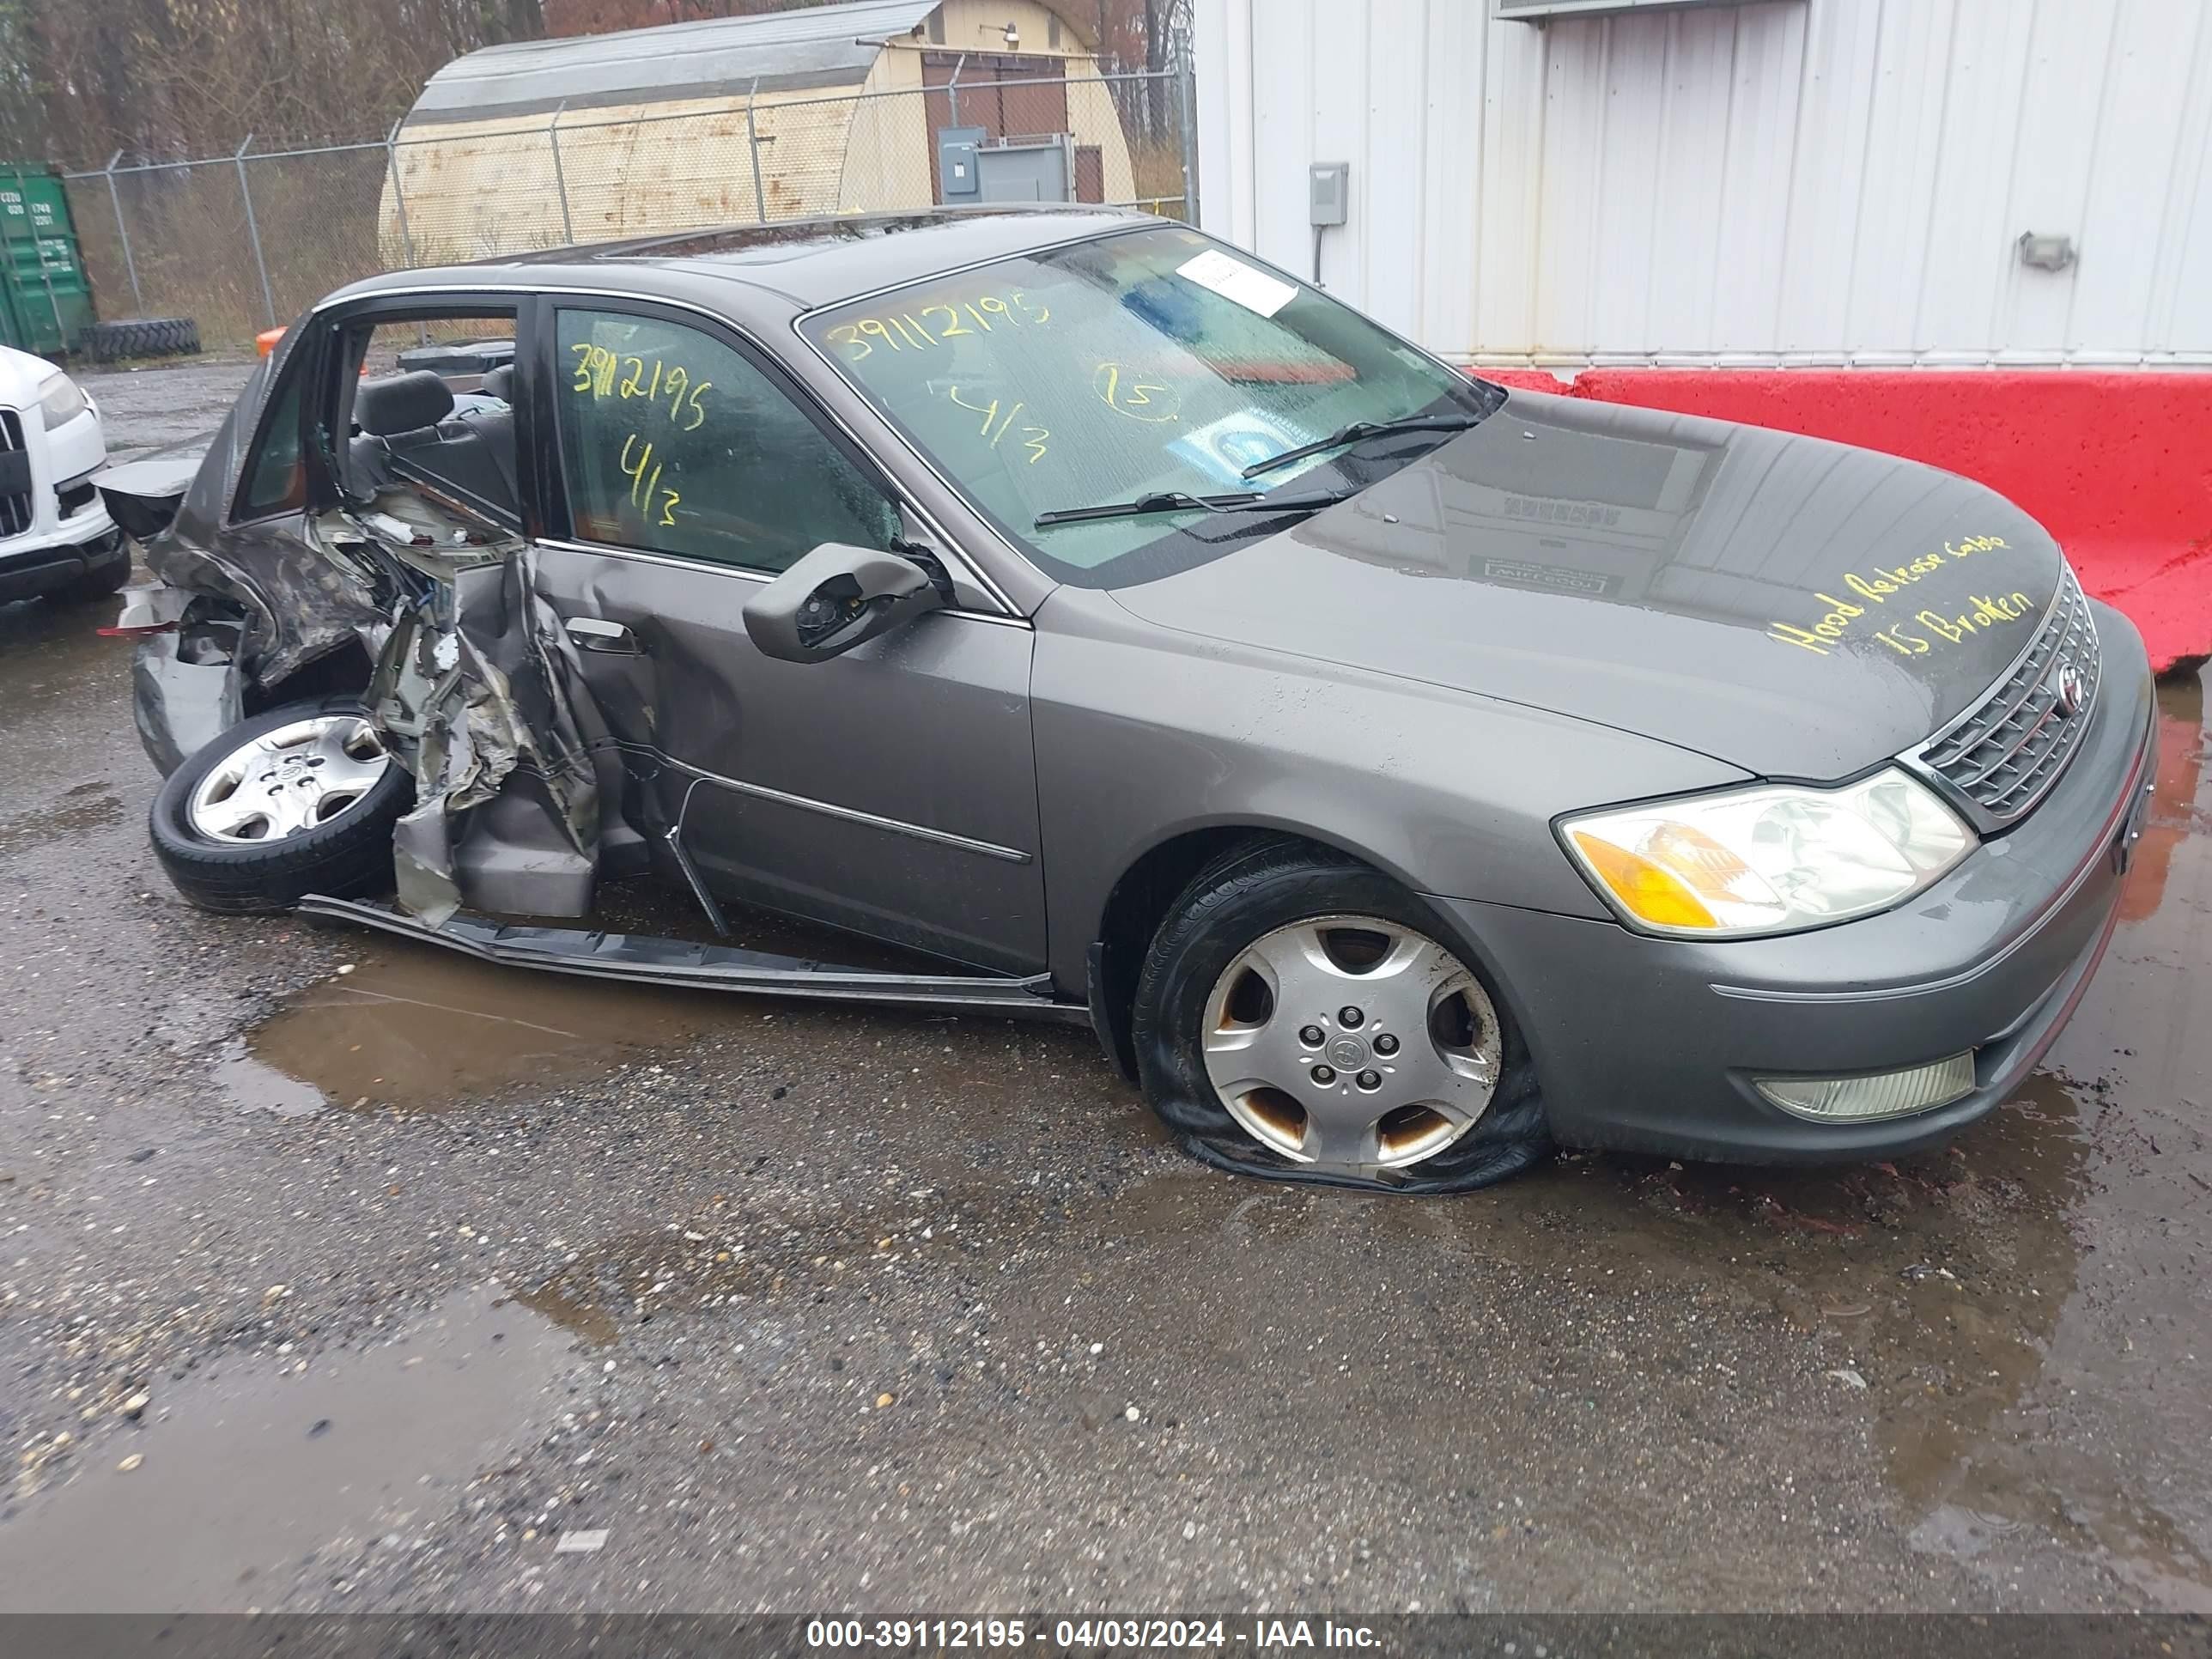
<point>56,537</point>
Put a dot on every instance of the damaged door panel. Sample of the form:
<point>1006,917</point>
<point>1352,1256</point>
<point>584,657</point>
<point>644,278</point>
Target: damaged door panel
<point>828,789</point>
<point>891,791</point>
<point>222,523</point>
<point>476,684</point>
<point>558,704</point>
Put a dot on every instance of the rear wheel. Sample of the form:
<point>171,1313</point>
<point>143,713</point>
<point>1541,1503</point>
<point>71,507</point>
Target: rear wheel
<point>302,799</point>
<point>1299,1015</point>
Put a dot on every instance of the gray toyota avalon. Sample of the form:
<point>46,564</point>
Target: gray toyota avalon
<point>1403,776</point>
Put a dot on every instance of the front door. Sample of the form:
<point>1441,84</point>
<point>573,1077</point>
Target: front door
<point>892,790</point>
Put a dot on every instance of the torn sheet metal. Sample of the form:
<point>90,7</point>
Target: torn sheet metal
<point>142,496</point>
<point>297,604</point>
<point>480,685</point>
<point>180,705</point>
<point>705,967</point>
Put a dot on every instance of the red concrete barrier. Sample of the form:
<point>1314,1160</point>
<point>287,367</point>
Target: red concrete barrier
<point>2117,467</point>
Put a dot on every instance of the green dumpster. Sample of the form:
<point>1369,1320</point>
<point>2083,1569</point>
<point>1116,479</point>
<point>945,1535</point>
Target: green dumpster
<point>46,302</point>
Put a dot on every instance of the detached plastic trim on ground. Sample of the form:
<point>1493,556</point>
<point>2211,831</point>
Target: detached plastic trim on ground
<point>2117,467</point>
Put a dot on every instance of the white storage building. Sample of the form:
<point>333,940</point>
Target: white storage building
<point>1568,182</point>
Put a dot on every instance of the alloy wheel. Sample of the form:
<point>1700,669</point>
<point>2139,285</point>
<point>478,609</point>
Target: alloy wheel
<point>1352,1043</point>
<point>289,780</point>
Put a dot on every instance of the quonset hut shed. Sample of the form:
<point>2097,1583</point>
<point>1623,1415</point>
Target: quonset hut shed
<point>595,137</point>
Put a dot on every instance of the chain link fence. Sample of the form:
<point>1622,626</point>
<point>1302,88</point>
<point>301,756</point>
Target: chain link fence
<point>247,241</point>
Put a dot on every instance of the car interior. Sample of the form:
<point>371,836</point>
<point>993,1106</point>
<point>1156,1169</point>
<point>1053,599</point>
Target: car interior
<point>410,429</point>
<point>428,415</point>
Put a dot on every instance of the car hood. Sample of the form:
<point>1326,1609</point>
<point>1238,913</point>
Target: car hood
<point>1793,607</point>
<point>22,375</point>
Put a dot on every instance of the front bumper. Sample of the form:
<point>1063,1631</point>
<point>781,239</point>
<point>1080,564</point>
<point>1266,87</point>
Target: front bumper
<point>40,562</point>
<point>1650,1044</point>
<point>58,545</point>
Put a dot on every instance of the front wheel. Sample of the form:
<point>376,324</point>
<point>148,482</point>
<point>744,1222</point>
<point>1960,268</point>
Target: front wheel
<point>1299,1017</point>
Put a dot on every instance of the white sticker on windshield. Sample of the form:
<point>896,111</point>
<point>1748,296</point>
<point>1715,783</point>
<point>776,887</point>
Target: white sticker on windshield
<point>1232,279</point>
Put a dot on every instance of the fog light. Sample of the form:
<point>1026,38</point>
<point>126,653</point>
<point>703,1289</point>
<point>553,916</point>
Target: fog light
<point>1885,1094</point>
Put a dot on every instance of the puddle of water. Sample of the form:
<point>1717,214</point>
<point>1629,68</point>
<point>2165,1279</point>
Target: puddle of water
<point>419,1029</point>
<point>245,1477</point>
<point>262,1088</point>
<point>416,1029</point>
<point>564,1300</point>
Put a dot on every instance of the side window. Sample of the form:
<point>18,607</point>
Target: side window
<point>274,477</point>
<point>672,442</point>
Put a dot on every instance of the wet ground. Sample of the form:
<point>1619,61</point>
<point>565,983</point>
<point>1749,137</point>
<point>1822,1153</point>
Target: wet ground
<point>335,1273</point>
<point>154,405</point>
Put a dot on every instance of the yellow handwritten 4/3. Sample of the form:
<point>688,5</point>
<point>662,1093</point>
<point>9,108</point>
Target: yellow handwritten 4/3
<point>645,485</point>
<point>1032,439</point>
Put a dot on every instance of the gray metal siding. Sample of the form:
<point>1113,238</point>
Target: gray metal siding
<point>1793,181</point>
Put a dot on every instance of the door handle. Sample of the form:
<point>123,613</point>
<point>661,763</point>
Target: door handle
<point>597,634</point>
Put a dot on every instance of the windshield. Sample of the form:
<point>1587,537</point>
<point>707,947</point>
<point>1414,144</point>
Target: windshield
<point>1116,368</point>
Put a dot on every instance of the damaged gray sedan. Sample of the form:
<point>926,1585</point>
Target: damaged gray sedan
<point>1402,775</point>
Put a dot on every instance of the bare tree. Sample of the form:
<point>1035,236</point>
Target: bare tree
<point>80,79</point>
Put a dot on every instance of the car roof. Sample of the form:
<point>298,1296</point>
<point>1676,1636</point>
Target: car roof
<point>805,262</point>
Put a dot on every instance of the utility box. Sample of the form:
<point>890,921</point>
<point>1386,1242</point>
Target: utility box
<point>46,301</point>
<point>1329,186</point>
<point>959,179</point>
<point>1027,170</point>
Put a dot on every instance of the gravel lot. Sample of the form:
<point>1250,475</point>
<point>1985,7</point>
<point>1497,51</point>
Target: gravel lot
<point>339,1275</point>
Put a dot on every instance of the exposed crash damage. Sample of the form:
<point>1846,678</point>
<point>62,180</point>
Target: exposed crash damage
<point>1400,775</point>
<point>468,691</point>
<point>516,800</point>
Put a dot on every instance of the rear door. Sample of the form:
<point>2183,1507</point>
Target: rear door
<point>892,790</point>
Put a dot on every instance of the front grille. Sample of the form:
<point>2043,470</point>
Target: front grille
<point>2004,754</point>
<point>14,508</point>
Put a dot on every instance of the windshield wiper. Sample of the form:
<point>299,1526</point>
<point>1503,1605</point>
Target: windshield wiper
<point>1356,431</point>
<point>1178,500</point>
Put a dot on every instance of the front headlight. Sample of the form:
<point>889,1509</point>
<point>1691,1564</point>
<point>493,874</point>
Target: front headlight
<point>61,400</point>
<point>1769,859</point>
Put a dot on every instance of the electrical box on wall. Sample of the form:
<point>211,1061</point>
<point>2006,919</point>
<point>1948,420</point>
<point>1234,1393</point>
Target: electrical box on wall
<point>1330,183</point>
<point>1538,11</point>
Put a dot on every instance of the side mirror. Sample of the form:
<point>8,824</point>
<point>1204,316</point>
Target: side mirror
<point>836,597</point>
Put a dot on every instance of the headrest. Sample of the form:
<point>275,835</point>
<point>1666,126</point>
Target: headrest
<point>500,383</point>
<point>393,403</point>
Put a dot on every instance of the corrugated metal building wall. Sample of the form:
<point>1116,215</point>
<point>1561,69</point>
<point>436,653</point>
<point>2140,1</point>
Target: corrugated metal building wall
<point>1816,181</point>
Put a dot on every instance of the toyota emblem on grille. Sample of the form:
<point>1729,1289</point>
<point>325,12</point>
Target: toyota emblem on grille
<point>2067,691</point>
